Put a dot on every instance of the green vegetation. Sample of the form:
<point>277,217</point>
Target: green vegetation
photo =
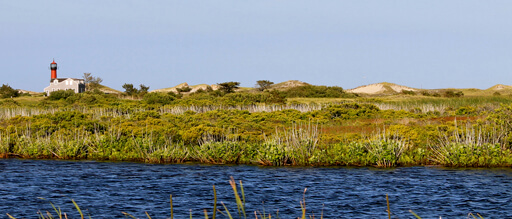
<point>305,125</point>
<point>134,92</point>
<point>229,87</point>
<point>262,85</point>
<point>7,91</point>
<point>317,92</point>
<point>91,82</point>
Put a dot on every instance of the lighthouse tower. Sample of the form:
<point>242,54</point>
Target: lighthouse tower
<point>53,67</point>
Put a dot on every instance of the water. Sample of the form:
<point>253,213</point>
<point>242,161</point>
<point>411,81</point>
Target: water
<point>105,189</point>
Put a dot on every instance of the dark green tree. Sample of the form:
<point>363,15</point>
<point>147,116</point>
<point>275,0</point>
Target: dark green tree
<point>129,89</point>
<point>229,87</point>
<point>7,91</point>
<point>263,84</point>
<point>143,90</point>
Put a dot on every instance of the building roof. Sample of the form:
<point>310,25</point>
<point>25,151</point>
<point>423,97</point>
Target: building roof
<point>63,79</point>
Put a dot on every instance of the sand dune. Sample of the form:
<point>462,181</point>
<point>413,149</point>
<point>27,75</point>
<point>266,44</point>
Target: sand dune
<point>381,88</point>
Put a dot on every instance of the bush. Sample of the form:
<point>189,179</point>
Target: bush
<point>158,98</point>
<point>451,93</point>
<point>316,92</point>
<point>352,111</point>
<point>251,98</point>
<point>408,92</point>
<point>61,94</point>
<point>184,89</point>
<point>7,91</point>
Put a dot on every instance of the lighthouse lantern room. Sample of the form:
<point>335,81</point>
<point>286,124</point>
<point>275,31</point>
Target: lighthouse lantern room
<point>53,68</point>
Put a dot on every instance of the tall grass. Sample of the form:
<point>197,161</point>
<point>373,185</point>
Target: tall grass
<point>295,145</point>
<point>386,150</point>
<point>480,145</point>
<point>98,112</point>
<point>441,104</point>
<point>470,145</point>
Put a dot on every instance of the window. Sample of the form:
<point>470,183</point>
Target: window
<point>66,82</point>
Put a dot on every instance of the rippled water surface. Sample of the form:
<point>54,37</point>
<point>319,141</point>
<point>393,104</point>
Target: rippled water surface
<point>104,190</point>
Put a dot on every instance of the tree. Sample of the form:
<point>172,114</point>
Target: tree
<point>129,89</point>
<point>229,87</point>
<point>7,91</point>
<point>263,84</point>
<point>143,89</point>
<point>91,82</point>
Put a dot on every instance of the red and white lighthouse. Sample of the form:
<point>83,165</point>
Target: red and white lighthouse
<point>53,67</point>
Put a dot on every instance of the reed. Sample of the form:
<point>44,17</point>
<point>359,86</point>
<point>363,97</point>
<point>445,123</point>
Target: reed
<point>479,145</point>
<point>219,149</point>
<point>386,150</point>
<point>295,145</point>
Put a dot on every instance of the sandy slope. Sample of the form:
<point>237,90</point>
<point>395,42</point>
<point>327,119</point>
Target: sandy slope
<point>380,88</point>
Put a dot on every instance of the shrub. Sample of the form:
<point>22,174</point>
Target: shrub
<point>61,94</point>
<point>315,92</point>
<point>352,110</point>
<point>465,110</point>
<point>251,98</point>
<point>451,93</point>
<point>408,92</point>
<point>425,93</point>
<point>7,91</point>
<point>184,89</point>
<point>158,98</point>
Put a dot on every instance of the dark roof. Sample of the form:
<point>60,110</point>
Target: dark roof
<point>63,79</point>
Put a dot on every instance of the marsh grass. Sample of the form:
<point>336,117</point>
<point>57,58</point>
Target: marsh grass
<point>386,149</point>
<point>479,145</point>
<point>295,145</point>
<point>441,105</point>
<point>146,136</point>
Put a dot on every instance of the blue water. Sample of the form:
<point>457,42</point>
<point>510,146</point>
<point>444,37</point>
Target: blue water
<point>106,189</point>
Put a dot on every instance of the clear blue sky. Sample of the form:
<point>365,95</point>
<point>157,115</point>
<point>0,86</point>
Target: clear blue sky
<point>161,43</point>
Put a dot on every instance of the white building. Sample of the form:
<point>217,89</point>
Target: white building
<point>74,84</point>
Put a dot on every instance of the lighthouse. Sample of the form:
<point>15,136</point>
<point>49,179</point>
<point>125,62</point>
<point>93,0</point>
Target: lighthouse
<point>56,84</point>
<point>53,67</point>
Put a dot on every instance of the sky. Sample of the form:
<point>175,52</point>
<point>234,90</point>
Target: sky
<point>162,43</point>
